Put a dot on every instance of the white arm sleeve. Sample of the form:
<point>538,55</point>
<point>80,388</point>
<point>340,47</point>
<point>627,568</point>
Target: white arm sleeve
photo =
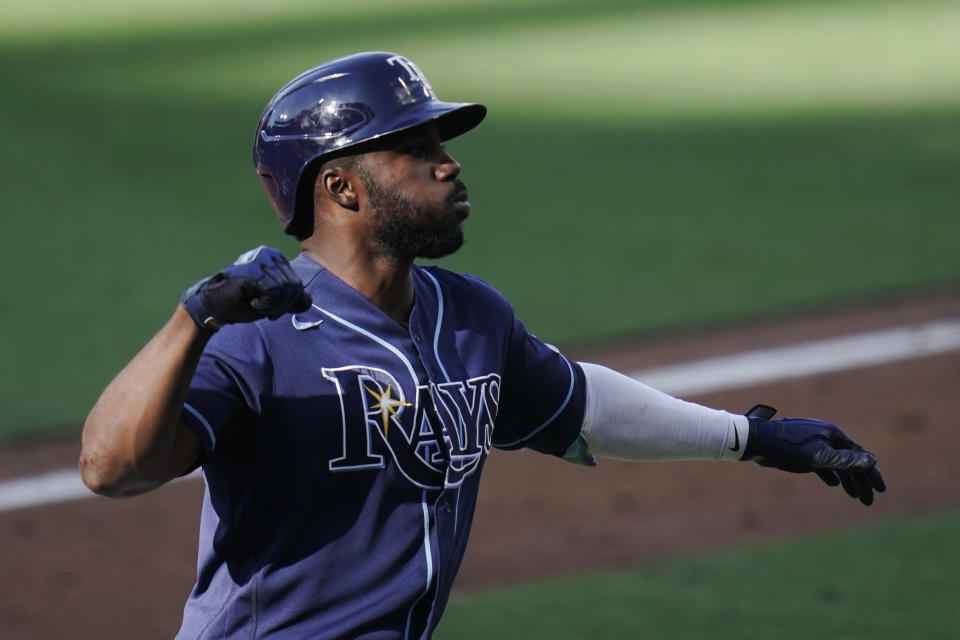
<point>627,420</point>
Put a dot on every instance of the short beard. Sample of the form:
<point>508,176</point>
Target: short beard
<point>402,229</point>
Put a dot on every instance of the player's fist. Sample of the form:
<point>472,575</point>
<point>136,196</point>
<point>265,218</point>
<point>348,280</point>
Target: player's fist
<point>259,284</point>
<point>802,446</point>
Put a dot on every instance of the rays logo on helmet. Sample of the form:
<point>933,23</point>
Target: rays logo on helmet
<point>414,77</point>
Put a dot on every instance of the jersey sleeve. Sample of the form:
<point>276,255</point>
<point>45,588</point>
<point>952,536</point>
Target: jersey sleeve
<point>542,398</point>
<point>232,379</point>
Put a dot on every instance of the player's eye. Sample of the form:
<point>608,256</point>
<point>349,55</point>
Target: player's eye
<point>424,150</point>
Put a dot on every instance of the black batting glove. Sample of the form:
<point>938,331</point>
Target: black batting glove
<point>803,446</point>
<point>259,284</point>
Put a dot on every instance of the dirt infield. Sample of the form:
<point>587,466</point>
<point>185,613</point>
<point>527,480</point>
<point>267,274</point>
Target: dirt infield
<point>107,569</point>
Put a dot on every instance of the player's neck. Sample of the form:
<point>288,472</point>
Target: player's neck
<point>384,282</point>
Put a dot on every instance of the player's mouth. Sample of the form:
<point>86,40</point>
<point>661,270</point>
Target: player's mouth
<point>460,200</point>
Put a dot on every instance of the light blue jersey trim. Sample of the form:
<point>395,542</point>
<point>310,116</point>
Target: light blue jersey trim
<point>456,511</point>
<point>436,332</point>
<point>202,421</point>
<point>563,406</point>
<point>436,353</point>
<point>383,343</point>
<point>429,555</point>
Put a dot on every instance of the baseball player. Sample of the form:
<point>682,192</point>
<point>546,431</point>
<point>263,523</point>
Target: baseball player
<point>342,405</point>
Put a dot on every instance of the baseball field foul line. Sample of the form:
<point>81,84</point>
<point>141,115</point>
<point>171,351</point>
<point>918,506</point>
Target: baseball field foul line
<point>702,376</point>
<point>751,368</point>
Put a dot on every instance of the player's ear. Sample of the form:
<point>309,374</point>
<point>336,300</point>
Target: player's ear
<point>337,183</point>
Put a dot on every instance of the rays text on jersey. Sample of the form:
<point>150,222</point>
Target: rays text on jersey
<point>435,441</point>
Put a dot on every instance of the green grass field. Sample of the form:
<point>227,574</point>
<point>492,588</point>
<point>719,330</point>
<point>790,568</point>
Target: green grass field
<point>644,165</point>
<point>889,582</point>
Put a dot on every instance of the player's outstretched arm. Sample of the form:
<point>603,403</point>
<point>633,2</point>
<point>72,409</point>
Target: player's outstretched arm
<point>133,439</point>
<point>627,420</point>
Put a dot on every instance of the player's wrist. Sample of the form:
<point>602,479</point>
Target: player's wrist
<point>193,303</point>
<point>757,429</point>
<point>737,437</point>
<point>761,434</point>
<point>184,321</point>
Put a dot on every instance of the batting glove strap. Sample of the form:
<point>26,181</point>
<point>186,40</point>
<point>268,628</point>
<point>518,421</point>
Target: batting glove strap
<point>192,301</point>
<point>804,446</point>
<point>259,284</point>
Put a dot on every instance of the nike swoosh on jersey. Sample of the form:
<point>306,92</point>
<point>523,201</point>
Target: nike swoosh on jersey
<point>736,439</point>
<point>305,324</point>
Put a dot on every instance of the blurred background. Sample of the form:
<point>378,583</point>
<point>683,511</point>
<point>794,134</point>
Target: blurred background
<point>645,167</point>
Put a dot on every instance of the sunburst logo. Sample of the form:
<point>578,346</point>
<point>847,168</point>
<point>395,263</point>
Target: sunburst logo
<point>387,405</point>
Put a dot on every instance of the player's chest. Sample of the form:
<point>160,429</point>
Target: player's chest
<point>366,403</point>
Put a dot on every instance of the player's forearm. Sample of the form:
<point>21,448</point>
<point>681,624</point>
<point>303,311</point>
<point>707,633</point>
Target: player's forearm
<point>132,441</point>
<point>630,421</point>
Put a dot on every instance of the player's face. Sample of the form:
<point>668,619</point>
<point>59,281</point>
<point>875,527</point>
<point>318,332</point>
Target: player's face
<point>416,203</point>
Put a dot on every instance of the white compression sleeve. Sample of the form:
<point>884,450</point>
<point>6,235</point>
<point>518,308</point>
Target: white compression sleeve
<point>627,420</point>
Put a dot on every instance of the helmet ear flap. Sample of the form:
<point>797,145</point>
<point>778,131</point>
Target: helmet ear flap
<point>269,184</point>
<point>301,221</point>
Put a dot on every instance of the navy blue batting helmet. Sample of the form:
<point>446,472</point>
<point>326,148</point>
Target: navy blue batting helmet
<point>334,107</point>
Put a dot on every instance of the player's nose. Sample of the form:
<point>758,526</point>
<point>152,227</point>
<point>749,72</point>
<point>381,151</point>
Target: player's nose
<point>448,168</point>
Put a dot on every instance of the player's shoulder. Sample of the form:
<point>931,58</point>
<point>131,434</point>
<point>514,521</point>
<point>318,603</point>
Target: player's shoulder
<point>239,348</point>
<point>466,287</point>
<point>237,338</point>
